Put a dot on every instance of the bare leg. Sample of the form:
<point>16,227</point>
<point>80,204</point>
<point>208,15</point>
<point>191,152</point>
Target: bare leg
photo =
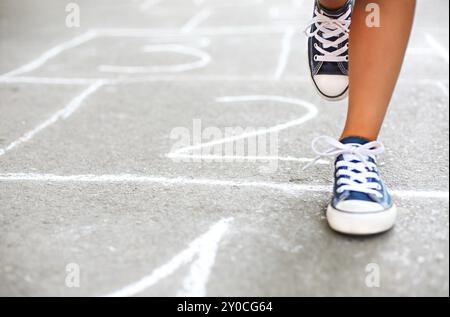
<point>333,4</point>
<point>376,57</point>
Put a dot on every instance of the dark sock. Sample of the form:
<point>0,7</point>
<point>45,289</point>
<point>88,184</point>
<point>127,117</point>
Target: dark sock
<point>331,10</point>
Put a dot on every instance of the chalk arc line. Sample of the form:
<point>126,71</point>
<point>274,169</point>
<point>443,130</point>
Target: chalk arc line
<point>311,113</point>
<point>203,59</point>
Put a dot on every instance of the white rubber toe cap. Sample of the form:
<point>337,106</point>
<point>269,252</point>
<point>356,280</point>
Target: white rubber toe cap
<point>361,218</point>
<point>332,86</point>
<point>358,206</point>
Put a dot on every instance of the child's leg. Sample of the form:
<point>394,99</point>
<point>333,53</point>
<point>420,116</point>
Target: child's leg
<point>376,56</point>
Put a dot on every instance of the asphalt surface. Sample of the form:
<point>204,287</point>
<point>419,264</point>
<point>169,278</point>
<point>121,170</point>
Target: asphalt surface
<point>87,177</point>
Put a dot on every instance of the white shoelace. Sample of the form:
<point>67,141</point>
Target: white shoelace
<point>358,169</point>
<point>327,28</point>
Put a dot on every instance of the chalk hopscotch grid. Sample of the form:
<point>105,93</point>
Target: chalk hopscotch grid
<point>189,27</point>
<point>205,247</point>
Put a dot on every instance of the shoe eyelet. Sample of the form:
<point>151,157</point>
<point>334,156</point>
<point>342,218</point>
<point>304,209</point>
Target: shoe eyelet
<point>316,58</point>
<point>347,58</point>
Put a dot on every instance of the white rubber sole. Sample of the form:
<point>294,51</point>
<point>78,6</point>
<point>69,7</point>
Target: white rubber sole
<point>361,223</point>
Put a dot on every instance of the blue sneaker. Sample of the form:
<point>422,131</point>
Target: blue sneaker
<point>361,203</point>
<point>328,42</point>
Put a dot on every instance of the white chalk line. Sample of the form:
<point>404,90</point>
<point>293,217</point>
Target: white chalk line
<point>194,284</point>
<point>62,114</point>
<point>443,87</point>
<point>279,28</point>
<point>205,246</point>
<point>288,188</point>
<point>196,20</point>
<point>416,51</point>
<point>285,52</point>
<point>203,60</point>
<point>234,158</point>
<point>146,33</point>
<point>201,31</point>
<point>180,78</point>
<point>51,53</point>
<point>52,80</point>
<point>148,4</point>
<point>310,108</point>
<point>140,79</point>
<point>437,47</point>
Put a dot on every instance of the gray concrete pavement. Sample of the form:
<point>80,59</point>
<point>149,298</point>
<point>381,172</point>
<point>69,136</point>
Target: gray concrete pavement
<point>85,177</point>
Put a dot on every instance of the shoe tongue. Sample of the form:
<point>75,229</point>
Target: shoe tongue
<point>354,140</point>
<point>333,13</point>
